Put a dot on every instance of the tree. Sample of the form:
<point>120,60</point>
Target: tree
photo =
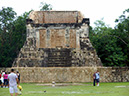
<point>122,31</point>
<point>106,45</point>
<point>13,38</point>
<point>19,32</point>
<point>13,33</point>
<point>44,6</point>
<point>7,17</point>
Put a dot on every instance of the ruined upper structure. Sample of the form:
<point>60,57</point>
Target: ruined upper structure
<point>57,39</point>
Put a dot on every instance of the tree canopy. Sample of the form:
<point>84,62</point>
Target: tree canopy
<point>44,6</point>
<point>112,45</point>
<point>12,34</point>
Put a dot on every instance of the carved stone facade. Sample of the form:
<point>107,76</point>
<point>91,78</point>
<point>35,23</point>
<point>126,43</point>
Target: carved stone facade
<point>57,39</point>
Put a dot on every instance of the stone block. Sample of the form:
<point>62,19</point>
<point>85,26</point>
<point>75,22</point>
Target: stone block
<point>40,17</point>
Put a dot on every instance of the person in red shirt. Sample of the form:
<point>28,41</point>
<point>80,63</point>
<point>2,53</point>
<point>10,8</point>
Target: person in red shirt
<point>5,80</point>
<point>0,80</point>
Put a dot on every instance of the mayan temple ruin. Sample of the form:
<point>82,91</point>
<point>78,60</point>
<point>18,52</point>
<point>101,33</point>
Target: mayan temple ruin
<point>57,39</point>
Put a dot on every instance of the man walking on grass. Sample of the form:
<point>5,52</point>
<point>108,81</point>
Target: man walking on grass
<point>13,80</point>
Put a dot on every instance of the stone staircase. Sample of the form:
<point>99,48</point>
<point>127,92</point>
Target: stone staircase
<point>57,57</point>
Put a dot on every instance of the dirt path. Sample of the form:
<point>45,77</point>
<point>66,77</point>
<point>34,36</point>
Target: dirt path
<point>63,84</point>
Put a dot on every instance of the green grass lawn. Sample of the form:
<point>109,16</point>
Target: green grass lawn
<point>105,89</point>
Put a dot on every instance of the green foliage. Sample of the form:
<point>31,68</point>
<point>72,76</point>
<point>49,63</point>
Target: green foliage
<point>7,17</point>
<point>45,7</point>
<point>122,31</point>
<point>19,33</point>
<point>12,35</point>
<point>107,46</point>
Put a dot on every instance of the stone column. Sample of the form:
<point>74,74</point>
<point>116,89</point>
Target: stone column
<point>77,39</point>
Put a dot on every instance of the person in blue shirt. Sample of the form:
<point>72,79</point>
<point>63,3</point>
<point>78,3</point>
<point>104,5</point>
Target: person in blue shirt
<point>97,77</point>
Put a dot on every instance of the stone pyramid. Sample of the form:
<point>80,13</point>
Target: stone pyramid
<point>57,39</point>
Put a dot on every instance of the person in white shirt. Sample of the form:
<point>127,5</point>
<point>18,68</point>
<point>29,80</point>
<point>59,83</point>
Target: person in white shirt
<point>2,78</point>
<point>13,80</point>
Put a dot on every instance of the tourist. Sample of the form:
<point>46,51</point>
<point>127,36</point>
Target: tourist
<point>5,80</point>
<point>13,80</point>
<point>18,75</point>
<point>0,80</point>
<point>94,78</point>
<point>97,78</point>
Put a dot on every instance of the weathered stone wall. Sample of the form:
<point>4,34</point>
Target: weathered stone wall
<point>40,17</point>
<point>52,38</point>
<point>57,39</point>
<point>72,74</point>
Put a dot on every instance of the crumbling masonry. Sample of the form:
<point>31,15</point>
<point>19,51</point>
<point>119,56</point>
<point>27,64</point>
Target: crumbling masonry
<point>57,39</point>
